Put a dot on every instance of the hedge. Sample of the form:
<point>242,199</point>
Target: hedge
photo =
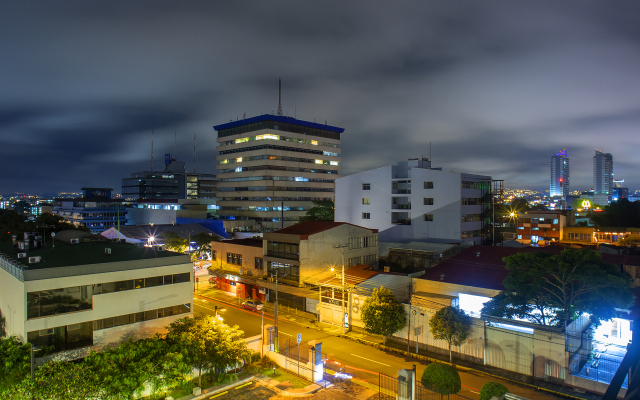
<point>441,378</point>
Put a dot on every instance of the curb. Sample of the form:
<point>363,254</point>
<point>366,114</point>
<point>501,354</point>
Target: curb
<point>214,392</point>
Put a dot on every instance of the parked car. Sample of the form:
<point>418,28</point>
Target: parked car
<point>254,305</point>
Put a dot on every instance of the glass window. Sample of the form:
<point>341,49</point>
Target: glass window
<point>138,283</point>
<point>181,278</point>
<point>428,201</point>
<point>121,320</point>
<point>123,285</point>
<point>136,317</point>
<point>107,323</point>
<point>168,279</point>
<point>428,185</point>
<point>239,259</point>
<point>153,281</point>
<point>555,221</point>
<point>366,186</point>
<point>151,314</point>
<point>366,200</point>
<point>428,217</point>
<point>366,215</point>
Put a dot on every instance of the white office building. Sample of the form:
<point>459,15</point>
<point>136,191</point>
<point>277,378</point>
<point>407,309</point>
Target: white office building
<point>411,201</point>
<point>85,294</point>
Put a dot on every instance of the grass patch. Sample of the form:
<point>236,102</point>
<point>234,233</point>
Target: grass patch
<point>283,376</point>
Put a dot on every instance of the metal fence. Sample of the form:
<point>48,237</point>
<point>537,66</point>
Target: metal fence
<point>292,349</point>
<point>423,393</point>
<point>387,386</point>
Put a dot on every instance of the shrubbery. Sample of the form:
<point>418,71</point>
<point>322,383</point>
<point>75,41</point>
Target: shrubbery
<point>492,389</point>
<point>441,378</point>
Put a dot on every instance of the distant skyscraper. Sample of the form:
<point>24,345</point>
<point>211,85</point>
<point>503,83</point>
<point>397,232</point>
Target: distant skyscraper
<point>602,173</point>
<point>559,174</point>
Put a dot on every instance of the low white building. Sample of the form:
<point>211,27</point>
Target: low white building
<point>411,201</point>
<point>85,294</point>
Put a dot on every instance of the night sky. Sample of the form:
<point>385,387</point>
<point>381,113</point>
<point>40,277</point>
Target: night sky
<point>497,87</point>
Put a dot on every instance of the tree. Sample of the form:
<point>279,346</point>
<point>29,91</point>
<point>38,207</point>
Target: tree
<point>64,380</point>
<point>532,307</point>
<point>15,363</point>
<point>54,223</point>
<point>452,325</point>
<point>382,313</point>
<point>124,370</point>
<point>208,343</point>
<point>619,214</point>
<point>576,281</point>
<point>442,378</point>
<point>322,210</point>
<point>203,242</point>
<point>492,389</point>
<point>630,241</point>
<point>22,207</point>
<point>175,242</point>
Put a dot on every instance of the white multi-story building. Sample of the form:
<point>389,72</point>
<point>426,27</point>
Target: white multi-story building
<point>273,167</point>
<point>411,201</point>
<point>85,295</point>
<point>559,185</point>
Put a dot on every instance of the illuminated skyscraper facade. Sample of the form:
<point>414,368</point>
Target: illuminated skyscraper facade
<point>271,168</point>
<point>602,173</point>
<point>559,175</point>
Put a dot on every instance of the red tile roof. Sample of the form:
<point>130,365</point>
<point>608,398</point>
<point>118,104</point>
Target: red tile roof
<point>313,227</point>
<point>487,270</point>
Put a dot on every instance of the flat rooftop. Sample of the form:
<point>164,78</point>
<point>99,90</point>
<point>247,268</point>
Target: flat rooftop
<point>65,255</point>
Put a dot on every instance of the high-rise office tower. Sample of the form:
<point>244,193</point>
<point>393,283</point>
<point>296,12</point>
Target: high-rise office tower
<point>272,167</point>
<point>602,173</point>
<point>559,174</point>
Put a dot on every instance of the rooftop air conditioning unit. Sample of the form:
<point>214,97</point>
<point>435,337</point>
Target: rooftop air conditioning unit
<point>75,241</point>
<point>33,260</point>
<point>22,255</point>
<point>107,250</point>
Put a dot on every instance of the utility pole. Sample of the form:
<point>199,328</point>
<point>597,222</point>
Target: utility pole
<point>275,313</point>
<point>409,325</point>
<point>342,246</point>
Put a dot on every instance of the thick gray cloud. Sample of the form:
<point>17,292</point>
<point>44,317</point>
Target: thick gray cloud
<point>496,87</point>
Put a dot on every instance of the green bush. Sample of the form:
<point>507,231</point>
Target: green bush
<point>441,378</point>
<point>492,389</point>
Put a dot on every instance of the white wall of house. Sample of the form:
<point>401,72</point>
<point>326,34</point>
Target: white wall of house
<point>13,304</point>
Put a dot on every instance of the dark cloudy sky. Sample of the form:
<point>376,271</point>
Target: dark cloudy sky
<point>497,87</point>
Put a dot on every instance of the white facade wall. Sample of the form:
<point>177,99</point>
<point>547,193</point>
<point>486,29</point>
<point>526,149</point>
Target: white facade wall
<point>447,208</point>
<point>13,301</point>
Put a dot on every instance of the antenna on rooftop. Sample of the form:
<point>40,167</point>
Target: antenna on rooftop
<point>279,113</point>
<point>152,150</point>
<point>194,153</point>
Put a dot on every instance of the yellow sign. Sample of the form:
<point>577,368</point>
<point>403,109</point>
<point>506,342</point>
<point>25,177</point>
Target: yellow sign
<point>586,204</point>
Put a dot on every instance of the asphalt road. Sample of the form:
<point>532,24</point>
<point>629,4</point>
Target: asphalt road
<point>360,360</point>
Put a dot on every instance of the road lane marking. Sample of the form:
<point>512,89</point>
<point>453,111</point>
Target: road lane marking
<point>218,395</point>
<point>285,333</point>
<point>246,384</point>
<point>474,392</point>
<point>386,365</point>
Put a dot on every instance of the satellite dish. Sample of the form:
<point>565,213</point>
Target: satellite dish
<point>53,234</point>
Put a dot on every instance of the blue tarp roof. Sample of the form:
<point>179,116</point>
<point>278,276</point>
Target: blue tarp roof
<point>269,117</point>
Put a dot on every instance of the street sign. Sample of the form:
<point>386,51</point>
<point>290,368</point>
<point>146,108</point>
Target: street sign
<point>418,330</point>
<point>299,338</point>
<point>346,320</point>
<point>53,234</point>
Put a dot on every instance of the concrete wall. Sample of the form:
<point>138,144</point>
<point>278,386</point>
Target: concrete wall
<point>13,304</point>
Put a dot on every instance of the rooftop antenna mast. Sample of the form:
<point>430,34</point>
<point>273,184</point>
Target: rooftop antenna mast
<point>151,150</point>
<point>194,153</point>
<point>279,112</point>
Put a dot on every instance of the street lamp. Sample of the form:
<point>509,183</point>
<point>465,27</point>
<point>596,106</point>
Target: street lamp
<point>33,367</point>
